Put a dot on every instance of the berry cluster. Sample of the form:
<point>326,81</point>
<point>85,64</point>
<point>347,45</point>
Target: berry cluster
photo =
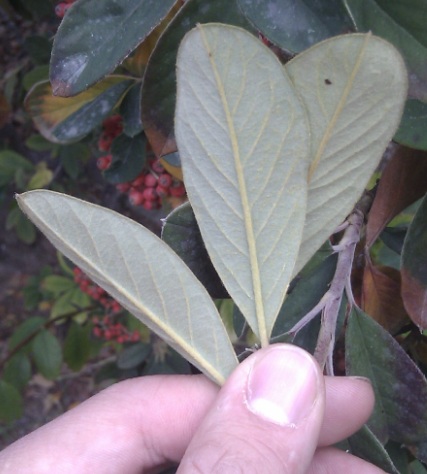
<point>95,292</point>
<point>153,183</point>
<point>110,330</point>
<point>62,7</point>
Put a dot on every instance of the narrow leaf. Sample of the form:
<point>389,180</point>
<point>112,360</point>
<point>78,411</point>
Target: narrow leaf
<point>47,354</point>
<point>96,36</point>
<point>414,268</point>
<point>11,402</point>
<point>400,387</point>
<point>68,120</point>
<point>77,346</point>
<point>243,140</point>
<point>403,182</point>
<point>354,89</point>
<point>141,272</point>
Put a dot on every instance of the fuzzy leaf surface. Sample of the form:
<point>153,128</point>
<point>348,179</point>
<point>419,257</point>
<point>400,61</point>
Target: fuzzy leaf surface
<point>243,139</point>
<point>354,88</point>
<point>141,272</point>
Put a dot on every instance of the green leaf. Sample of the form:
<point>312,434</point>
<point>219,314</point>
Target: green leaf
<point>159,85</point>
<point>400,387</point>
<point>38,48</point>
<point>42,176</point>
<point>403,24</point>
<point>141,272</point>
<point>39,73</point>
<point>133,356</point>
<point>77,346</point>
<point>295,25</point>
<point>65,121</point>
<point>38,143</point>
<point>17,371</point>
<point>354,89</point>
<point>128,158</point>
<point>412,128</point>
<point>47,354</point>
<point>181,232</point>
<point>58,284</point>
<point>11,403</point>
<point>243,139</point>
<point>24,330</point>
<point>10,163</point>
<point>130,110</point>
<point>95,37</point>
<point>414,268</point>
<point>73,157</point>
<point>364,444</point>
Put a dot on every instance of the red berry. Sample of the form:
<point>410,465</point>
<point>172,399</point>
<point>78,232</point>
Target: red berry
<point>161,191</point>
<point>135,197</point>
<point>150,205</point>
<point>61,9</point>
<point>157,167</point>
<point>150,194</point>
<point>177,190</point>
<point>104,162</point>
<point>138,181</point>
<point>165,180</point>
<point>123,187</point>
<point>150,181</point>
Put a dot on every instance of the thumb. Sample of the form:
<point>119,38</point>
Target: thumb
<point>266,418</point>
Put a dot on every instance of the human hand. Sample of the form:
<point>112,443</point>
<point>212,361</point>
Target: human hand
<point>276,414</point>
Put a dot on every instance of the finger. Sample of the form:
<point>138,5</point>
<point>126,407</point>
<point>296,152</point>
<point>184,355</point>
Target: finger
<point>349,404</point>
<point>332,460</point>
<point>266,418</point>
<point>130,427</point>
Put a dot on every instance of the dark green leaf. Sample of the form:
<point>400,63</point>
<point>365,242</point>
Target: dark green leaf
<point>420,451</point>
<point>38,74</point>
<point>66,121</point>
<point>295,25</point>
<point>412,129</point>
<point>159,86</point>
<point>366,445</point>
<point>24,330</point>
<point>400,387</point>
<point>17,371</point>
<point>73,157</point>
<point>130,109</point>
<point>417,468</point>
<point>25,230</point>
<point>11,403</point>
<point>393,237</point>
<point>10,163</point>
<point>403,25</point>
<point>128,158</point>
<point>414,268</point>
<point>58,284</point>
<point>37,142</point>
<point>133,356</point>
<point>95,37</point>
<point>77,346</point>
<point>181,232</point>
<point>47,354</point>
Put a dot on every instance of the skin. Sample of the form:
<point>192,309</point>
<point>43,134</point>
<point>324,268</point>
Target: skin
<point>147,424</point>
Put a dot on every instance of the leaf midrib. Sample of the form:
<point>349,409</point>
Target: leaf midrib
<point>247,217</point>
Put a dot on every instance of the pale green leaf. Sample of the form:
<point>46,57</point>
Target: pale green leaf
<point>354,88</point>
<point>243,139</point>
<point>140,271</point>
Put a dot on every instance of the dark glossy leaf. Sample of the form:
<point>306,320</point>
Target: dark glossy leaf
<point>403,182</point>
<point>17,371</point>
<point>73,157</point>
<point>181,232</point>
<point>65,121</point>
<point>412,129</point>
<point>77,346</point>
<point>159,86</point>
<point>414,268</point>
<point>95,37</point>
<point>47,354</point>
<point>403,25</point>
<point>172,164</point>
<point>309,286</point>
<point>11,403</point>
<point>128,158</point>
<point>295,25</point>
<point>133,356</point>
<point>381,297</point>
<point>400,387</point>
<point>130,110</point>
<point>366,445</point>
